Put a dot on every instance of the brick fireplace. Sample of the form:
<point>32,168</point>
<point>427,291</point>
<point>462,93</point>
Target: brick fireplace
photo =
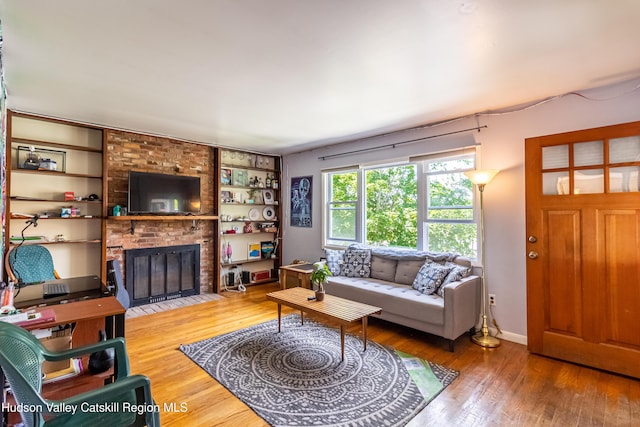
<point>130,151</point>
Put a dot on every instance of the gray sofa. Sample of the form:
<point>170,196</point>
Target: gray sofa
<point>404,283</point>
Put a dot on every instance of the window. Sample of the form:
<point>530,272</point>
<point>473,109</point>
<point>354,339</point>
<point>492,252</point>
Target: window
<point>389,206</point>
<point>450,225</point>
<point>342,208</point>
<point>392,206</point>
<point>383,212</point>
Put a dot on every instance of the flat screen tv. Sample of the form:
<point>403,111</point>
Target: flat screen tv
<point>162,194</point>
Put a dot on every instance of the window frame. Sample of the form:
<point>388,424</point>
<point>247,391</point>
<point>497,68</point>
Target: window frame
<point>425,207</point>
<point>328,240</point>
<point>421,164</point>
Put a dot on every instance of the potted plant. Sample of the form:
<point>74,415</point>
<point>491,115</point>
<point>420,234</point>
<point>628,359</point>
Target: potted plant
<point>319,278</point>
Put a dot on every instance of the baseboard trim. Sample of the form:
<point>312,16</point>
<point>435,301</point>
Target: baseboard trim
<point>509,336</point>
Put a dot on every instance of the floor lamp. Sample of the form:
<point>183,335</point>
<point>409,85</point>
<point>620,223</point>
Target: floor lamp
<point>481,178</point>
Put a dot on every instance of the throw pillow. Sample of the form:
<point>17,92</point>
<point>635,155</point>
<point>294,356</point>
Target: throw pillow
<point>357,263</point>
<point>430,277</point>
<point>457,272</point>
<point>335,258</point>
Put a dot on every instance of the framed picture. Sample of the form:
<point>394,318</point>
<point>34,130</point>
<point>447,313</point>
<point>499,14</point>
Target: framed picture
<point>226,197</point>
<point>267,195</point>
<point>240,177</point>
<point>301,197</point>
<point>225,176</point>
<point>266,249</point>
<point>254,251</point>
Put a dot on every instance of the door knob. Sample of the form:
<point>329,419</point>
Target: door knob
<point>532,239</point>
<point>533,255</point>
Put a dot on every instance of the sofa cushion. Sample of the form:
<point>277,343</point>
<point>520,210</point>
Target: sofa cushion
<point>430,277</point>
<point>383,268</point>
<point>407,270</point>
<point>335,258</point>
<point>458,272</point>
<point>357,263</point>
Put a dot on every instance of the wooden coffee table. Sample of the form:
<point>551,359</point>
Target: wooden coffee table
<point>343,311</point>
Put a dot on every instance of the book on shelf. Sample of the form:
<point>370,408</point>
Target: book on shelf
<point>75,368</point>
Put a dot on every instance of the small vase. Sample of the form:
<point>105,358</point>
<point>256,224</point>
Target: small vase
<point>320,292</point>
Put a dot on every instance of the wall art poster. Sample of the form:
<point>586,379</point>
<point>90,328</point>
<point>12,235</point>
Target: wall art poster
<point>301,196</point>
<point>254,251</point>
<point>225,176</point>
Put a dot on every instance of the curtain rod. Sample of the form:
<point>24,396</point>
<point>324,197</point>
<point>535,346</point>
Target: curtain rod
<point>395,144</point>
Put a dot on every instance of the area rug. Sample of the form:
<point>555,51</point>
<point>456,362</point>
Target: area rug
<point>296,377</point>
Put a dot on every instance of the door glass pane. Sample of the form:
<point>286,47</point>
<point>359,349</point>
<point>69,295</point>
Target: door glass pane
<point>588,153</point>
<point>556,156</point>
<point>588,181</point>
<point>624,179</point>
<point>554,183</point>
<point>624,149</point>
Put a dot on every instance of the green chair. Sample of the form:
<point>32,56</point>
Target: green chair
<point>116,404</point>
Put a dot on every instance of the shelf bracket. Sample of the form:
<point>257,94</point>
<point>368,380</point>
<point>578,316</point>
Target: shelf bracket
<point>194,224</point>
<point>132,230</point>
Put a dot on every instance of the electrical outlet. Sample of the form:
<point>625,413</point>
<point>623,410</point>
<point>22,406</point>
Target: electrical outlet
<point>492,299</point>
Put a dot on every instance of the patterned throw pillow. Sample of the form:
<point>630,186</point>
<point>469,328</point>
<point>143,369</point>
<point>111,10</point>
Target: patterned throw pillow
<point>430,277</point>
<point>335,259</point>
<point>357,263</point>
<point>457,272</point>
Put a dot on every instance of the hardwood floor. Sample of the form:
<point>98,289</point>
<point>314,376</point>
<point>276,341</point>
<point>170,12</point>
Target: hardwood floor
<point>503,386</point>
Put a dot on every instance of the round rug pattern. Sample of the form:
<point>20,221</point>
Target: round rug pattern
<point>296,377</point>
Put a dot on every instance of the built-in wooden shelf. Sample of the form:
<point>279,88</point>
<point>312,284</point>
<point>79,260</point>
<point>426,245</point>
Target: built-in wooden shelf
<point>56,217</point>
<point>55,173</point>
<point>36,199</point>
<point>55,145</point>
<point>54,242</point>
<point>246,261</point>
<point>163,217</point>
<point>134,218</point>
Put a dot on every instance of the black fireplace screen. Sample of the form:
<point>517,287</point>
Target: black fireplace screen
<point>159,274</point>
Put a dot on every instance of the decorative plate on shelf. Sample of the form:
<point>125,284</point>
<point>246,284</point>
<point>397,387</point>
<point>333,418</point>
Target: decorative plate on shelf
<point>254,215</point>
<point>269,213</point>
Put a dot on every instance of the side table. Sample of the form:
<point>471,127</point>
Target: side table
<point>302,272</point>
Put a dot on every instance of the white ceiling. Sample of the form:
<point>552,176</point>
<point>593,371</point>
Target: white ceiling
<point>278,76</point>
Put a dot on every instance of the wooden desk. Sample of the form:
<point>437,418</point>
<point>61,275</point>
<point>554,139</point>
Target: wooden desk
<point>94,311</point>
<point>89,316</point>
<point>301,272</point>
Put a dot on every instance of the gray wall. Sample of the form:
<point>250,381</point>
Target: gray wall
<point>502,147</point>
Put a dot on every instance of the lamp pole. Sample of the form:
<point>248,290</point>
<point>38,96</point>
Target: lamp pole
<point>482,337</point>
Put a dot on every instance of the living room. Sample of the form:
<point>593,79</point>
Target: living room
<point>498,131</point>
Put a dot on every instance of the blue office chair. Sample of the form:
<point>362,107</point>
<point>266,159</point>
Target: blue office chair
<point>30,264</point>
<point>128,397</point>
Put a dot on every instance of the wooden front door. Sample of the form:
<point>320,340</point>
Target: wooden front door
<point>583,247</point>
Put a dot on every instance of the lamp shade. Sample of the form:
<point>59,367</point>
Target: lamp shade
<point>480,176</point>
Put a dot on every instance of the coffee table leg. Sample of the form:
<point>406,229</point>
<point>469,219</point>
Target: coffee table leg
<point>364,331</point>
<point>342,341</point>
<point>302,317</point>
<point>279,316</point>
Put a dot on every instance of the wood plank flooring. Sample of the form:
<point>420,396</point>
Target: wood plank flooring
<point>506,386</point>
